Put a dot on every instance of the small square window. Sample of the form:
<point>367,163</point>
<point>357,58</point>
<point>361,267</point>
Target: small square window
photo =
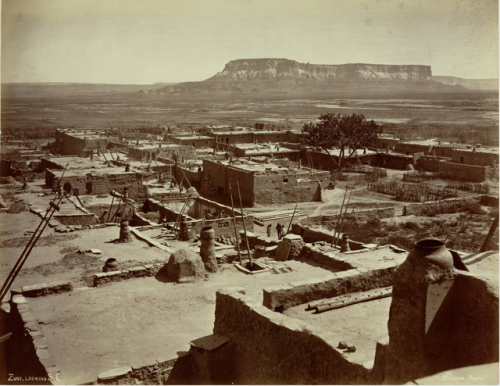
<point>285,179</point>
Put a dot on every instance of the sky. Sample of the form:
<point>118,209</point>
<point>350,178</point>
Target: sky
<point>151,41</point>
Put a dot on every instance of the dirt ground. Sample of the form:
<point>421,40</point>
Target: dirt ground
<point>94,330</point>
<point>55,257</point>
<point>360,325</point>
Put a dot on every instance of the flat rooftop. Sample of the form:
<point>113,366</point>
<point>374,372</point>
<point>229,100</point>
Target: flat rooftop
<point>257,167</point>
<point>193,138</point>
<point>360,325</point>
<point>136,320</point>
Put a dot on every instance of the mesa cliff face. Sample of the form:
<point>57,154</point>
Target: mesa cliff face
<point>473,84</point>
<point>275,69</point>
<point>283,76</point>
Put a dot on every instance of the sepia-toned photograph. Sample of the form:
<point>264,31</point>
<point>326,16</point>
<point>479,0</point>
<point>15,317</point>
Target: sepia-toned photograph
<point>261,192</point>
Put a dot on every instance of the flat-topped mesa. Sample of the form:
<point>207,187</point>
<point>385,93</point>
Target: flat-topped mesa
<point>282,69</point>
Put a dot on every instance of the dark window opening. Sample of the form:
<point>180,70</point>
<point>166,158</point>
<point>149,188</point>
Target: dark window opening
<point>285,179</point>
<point>461,160</point>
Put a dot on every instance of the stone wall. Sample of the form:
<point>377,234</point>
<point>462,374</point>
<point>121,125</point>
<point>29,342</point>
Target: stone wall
<point>329,221</point>
<point>271,348</point>
<point>443,206</point>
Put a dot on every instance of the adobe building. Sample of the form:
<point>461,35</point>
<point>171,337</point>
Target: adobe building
<point>264,150</point>
<point>478,156</point>
<point>100,181</point>
<point>263,183</point>
<point>76,141</point>
<point>195,141</point>
<point>251,136</point>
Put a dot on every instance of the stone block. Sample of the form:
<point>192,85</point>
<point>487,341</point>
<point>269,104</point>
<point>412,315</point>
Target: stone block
<point>47,362</point>
<point>27,317</point>
<point>141,365</point>
<point>59,286</point>
<point>316,280</point>
<point>114,275</point>
<point>39,342</point>
<point>34,334</point>
<point>19,299</point>
<point>42,353</point>
<point>31,326</point>
<point>114,373</point>
<point>138,271</point>
<point>35,290</point>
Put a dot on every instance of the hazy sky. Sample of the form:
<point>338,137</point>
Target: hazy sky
<point>149,41</point>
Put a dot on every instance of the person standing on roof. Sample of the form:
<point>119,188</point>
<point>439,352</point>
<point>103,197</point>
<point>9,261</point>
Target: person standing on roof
<point>278,230</point>
<point>269,230</point>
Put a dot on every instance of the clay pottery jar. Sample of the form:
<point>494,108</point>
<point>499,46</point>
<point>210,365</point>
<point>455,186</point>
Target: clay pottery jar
<point>110,265</point>
<point>431,251</point>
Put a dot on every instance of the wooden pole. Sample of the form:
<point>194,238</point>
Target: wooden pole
<point>343,217</point>
<point>293,215</point>
<point>235,230</point>
<point>244,226</point>
<point>340,214</point>
<point>110,207</point>
<point>493,228</point>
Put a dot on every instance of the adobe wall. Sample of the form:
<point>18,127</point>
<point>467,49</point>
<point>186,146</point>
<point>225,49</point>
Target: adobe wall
<point>404,148</point>
<point>235,137</point>
<point>272,188</point>
<point>77,182</point>
<point>76,219</point>
<point>222,175</point>
<point>104,183</point>
<point>47,163</point>
<point>474,335</point>
<point>473,158</point>
<point>470,172</point>
<point>271,348</point>
<point>194,177</point>
<point>392,161</point>
<point>314,235</point>
<point>353,280</point>
<point>428,163</point>
<point>201,205</point>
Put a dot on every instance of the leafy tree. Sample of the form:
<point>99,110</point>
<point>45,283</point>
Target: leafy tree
<point>347,133</point>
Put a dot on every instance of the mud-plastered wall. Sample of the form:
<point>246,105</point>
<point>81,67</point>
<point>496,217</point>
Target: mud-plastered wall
<point>271,348</point>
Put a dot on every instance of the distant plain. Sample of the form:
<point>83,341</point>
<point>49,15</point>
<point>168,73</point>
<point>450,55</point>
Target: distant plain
<point>29,106</point>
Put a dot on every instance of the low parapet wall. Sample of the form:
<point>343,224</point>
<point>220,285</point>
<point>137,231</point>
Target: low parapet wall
<point>310,235</point>
<point>354,280</point>
<point>271,348</point>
